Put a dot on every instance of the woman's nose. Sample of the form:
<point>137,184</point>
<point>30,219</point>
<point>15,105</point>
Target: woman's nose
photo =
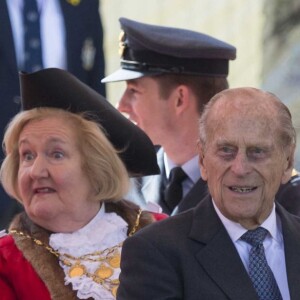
<point>39,168</point>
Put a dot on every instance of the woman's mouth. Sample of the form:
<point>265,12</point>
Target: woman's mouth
<point>44,190</point>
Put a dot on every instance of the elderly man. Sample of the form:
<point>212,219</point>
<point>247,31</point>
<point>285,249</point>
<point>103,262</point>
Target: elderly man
<point>171,73</point>
<point>237,243</point>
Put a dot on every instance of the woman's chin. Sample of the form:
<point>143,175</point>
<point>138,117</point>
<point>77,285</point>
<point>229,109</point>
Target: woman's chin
<point>41,212</point>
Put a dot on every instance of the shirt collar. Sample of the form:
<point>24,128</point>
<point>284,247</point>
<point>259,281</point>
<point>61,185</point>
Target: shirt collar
<point>109,228</point>
<point>236,230</point>
<point>191,167</point>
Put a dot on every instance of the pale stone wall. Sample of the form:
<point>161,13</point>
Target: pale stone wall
<point>281,56</point>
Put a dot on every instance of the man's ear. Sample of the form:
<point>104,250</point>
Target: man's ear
<point>288,166</point>
<point>202,161</point>
<point>182,98</point>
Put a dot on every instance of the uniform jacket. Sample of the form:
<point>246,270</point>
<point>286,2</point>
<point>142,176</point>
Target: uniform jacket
<point>289,195</point>
<point>82,25</point>
<point>190,256</point>
<point>149,189</point>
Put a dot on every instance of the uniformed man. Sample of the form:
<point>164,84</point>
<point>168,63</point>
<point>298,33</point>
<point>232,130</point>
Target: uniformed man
<point>171,74</point>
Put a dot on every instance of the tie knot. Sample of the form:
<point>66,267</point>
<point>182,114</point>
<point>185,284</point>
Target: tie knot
<point>173,190</point>
<point>255,237</point>
<point>177,175</point>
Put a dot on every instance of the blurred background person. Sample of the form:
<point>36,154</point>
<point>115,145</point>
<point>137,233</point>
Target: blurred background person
<point>170,74</point>
<point>64,164</point>
<point>36,34</point>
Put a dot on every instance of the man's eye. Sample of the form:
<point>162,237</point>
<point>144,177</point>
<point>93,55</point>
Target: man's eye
<point>256,152</point>
<point>132,91</point>
<point>227,150</point>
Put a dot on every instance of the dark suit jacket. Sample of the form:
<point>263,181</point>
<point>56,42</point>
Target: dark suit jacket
<point>190,256</point>
<point>82,25</point>
<point>289,195</point>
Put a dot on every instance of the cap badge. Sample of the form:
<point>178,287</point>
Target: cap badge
<point>122,43</point>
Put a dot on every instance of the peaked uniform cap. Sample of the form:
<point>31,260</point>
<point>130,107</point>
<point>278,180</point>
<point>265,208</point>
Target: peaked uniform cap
<point>59,89</point>
<point>147,50</point>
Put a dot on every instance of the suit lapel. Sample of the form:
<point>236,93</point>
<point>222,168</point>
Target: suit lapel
<point>291,237</point>
<point>71,15</point>
<point>218,257</point>
<point>6,38</point>
<point>194,196</point>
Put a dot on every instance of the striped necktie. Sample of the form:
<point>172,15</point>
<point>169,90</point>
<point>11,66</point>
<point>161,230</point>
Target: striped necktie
<point>32,37</point>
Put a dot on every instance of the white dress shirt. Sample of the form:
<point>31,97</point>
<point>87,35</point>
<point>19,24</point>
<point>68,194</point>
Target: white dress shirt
<point>273,244</point>
<point>53,33</point>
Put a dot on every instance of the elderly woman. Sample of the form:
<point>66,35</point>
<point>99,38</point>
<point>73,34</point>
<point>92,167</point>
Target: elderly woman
<point>61,164</point>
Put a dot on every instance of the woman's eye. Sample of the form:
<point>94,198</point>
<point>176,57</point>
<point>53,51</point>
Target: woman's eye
<point>57,155</point>
<point>27,156</point>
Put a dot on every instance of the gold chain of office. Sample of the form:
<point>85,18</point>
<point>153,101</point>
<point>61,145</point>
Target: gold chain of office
<point>108,259</point>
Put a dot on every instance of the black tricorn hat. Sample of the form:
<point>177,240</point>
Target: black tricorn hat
<point>59,89</point>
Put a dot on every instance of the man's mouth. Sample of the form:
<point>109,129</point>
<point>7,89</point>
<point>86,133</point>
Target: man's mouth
<point>240,189</point>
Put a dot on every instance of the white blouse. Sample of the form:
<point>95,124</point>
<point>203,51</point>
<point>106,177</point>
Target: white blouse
<point>104,231</point>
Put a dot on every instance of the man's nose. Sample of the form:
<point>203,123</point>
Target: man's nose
<point>241,165</point>
<point>124,105</point>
